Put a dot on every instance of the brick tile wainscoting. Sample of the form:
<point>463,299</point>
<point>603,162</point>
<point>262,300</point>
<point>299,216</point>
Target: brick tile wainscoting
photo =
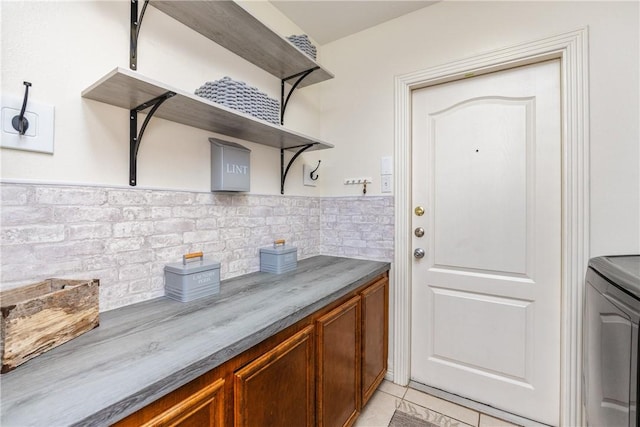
<point>357,227</point>
<point>124,237</point>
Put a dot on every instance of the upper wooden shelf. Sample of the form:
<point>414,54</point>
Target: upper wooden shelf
<point>129,89</point>
<point>228,24</point>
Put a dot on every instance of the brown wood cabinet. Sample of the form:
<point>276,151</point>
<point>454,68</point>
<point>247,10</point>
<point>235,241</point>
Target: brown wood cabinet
<point>200,403</point>
<point>338,365</point>
<point>277,389</point>
<point>205,408</point>
<point>320,371</point>
<point>375,332</point>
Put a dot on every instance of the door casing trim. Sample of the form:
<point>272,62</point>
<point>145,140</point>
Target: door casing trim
<point>572,50</point>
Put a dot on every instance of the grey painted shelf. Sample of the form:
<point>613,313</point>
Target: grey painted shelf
<point>129,89</point>
<point>231,26</point>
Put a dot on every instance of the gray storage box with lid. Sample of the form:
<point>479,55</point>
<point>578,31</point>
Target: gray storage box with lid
<point>189,280</point>
<point>230,166</point>
<point>278,258</point>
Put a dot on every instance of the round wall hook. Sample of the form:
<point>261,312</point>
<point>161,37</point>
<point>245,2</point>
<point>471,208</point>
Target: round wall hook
<point>20,123</point>
<point>313,175</point>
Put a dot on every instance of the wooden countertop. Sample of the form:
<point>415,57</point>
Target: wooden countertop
<point>143,351</point>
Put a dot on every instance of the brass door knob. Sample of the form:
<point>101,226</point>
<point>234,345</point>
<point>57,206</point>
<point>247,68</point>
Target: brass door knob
<point>419,210</point>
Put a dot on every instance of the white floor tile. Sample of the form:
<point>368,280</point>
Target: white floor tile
<point>378,411</point>
<point>393,389</point>
<point>444,407</point>
<point>476,406</point>
<point>488,421</point>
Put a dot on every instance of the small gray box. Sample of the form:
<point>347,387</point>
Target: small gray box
<point>189,280</point>
<point>278,258</point>
<point>230,166</point>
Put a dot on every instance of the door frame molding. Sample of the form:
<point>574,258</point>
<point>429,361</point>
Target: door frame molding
<point>572,50</point>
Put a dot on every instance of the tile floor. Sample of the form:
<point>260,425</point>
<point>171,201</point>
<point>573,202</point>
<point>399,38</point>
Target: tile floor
<point>435,410</point>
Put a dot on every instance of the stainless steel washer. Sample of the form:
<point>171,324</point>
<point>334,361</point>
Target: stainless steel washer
<point>610,347</point>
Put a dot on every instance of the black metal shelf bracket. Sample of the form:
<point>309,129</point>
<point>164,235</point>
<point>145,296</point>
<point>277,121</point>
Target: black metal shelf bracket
<point>136,22</point>
<point>135,137</point>
<point>283,102</point>
<point>283,171</point>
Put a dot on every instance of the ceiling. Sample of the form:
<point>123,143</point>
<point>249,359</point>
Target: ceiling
<point>328,20</point>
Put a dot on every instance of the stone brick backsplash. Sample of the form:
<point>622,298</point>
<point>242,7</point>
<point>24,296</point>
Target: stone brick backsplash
<point>357,227</point>
<point>124,237</point>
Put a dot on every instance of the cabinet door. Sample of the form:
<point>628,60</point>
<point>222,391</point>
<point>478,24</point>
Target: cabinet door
<point>202,409</point>
<point>277,389</point>
<point>375,332</point>
<point>338,396</point>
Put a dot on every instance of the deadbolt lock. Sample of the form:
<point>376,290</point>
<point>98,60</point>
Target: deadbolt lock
<point>419,232</point>
<point>419,210</point>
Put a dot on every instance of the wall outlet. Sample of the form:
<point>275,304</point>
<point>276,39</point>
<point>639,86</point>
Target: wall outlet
<point>39,134</point>
<point>386,183</point>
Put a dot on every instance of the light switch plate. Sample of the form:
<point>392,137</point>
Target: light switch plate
<point>39,134</point>
<point>386,165</point>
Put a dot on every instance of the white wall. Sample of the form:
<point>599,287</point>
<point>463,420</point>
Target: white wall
<point>357,106</point>
<point>63,47</point>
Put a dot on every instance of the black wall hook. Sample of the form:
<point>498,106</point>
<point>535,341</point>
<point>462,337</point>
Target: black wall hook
<point>20,123</point>
<point>313,172</point>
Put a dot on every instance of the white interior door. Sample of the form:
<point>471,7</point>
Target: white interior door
<point>486,296</point>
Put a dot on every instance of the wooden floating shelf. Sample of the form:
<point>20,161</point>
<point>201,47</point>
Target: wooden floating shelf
<point>229,25</point>
<point>128,89</point>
